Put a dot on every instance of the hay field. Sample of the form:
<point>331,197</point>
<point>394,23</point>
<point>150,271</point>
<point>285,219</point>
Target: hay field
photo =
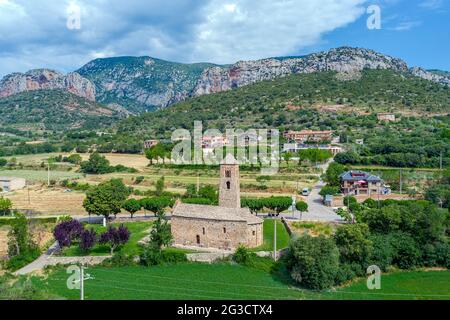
<point>48,201</point>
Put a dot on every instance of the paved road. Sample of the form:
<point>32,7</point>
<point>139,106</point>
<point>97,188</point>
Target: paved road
<point>316,210</point>
<point>40,262</point>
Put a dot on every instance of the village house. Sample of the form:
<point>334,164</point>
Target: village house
<point>386,117</point>
<point>309,136</point>
<point>150,143</point>
<point>362,183</point>
<point>296,147</point>
<point>8,184</point>
<point>222,227</point>
<point>214,141</point>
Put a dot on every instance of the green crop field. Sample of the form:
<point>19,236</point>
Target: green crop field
<point>233,282</point>
<point>40,176</point>
<point>282,236</point>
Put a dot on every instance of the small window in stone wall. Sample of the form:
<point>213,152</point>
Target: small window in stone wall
<point>228,173</point>
<point>224,230</point>
<point>254,233</point>
<point>204,231</point>
<point>228,185</point>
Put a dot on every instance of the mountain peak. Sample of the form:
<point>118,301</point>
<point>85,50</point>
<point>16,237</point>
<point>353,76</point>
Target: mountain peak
<point>46,79</point>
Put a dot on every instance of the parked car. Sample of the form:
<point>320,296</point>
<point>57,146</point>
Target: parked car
<point>305,192</point>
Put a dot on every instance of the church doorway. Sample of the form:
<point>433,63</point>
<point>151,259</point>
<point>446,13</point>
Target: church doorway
<point>198,239</point>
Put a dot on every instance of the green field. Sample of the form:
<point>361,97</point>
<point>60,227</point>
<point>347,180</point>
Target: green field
<point>40,176</point>
<point>282,236</point>
<point>233,282</point>
<point>138,231</point>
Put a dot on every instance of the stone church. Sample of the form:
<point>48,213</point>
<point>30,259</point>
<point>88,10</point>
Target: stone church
<point>223,227</point>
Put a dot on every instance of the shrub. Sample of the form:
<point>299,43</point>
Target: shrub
<point>119,259</point>
<point>314,261</point>
<point>3,162</point>
<point>5,207</point>
<point>67,231</point>
<point>26,257</point>
<point>242,255</point>
<point>329,190</point>
<point>139,180</point>
<point>382,251</point>
<point>406,251</point>
<point>173,257</point>
<point>152,256</point>
<point>353,243</point>
<point>436,254</point>
<point>88,238</point>
<point>115,237</point>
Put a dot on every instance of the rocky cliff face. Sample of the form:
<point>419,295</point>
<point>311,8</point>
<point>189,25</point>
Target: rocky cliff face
<point>142,83</point>
<point>243,73</point>
<point>44,79</point>
<point>430,76</point>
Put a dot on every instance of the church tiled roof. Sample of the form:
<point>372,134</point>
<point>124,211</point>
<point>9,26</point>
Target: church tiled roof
<point>206,212</point>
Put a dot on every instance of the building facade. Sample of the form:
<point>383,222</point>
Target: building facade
<point>295,147</point>
<point>361,183</point>
<point>386,117</point>
<point>223,227</point>
<point>150,143</point>
<point>309,135</point>
<point>8,184</point>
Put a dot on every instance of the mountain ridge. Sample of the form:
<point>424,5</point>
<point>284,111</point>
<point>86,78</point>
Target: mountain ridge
<point>146,83</point>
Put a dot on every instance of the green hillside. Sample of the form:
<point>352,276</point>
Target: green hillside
<point>55,110</point>
<point>264,105</point>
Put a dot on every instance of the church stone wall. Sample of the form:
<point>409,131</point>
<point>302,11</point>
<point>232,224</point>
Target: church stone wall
<point>211,233</point>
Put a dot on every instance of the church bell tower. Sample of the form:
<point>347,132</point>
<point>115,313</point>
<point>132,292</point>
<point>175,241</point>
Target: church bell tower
<point>229,187</point>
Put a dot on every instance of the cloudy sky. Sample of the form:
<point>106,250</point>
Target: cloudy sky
<point>65,34</point>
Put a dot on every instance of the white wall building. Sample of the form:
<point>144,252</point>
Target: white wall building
<point>8,184</point>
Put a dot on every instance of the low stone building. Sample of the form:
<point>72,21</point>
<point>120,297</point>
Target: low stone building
<point>386,117</point>
<point>8,184</point>
<point>223,227</point>
<point>150,143</point>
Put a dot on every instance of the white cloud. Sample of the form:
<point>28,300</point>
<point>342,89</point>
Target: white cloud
<point>431,4</point>
<point>268,28</point>
<point>34,33</point>
<point>406,25</point>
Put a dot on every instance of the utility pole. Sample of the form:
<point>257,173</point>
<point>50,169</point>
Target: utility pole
<point>401,182</point>
<point>274,239</point>
<point>28,190</point>
<point>82,282</point>
<point>48,174</point>
<point>198,183</point>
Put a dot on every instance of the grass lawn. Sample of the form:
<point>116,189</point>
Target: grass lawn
<point>40,176</point>
<point>282,236</point>
<point>138,231</point>
<point>313,228</point>
<point>414,285</point>
<point>233,282</point>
